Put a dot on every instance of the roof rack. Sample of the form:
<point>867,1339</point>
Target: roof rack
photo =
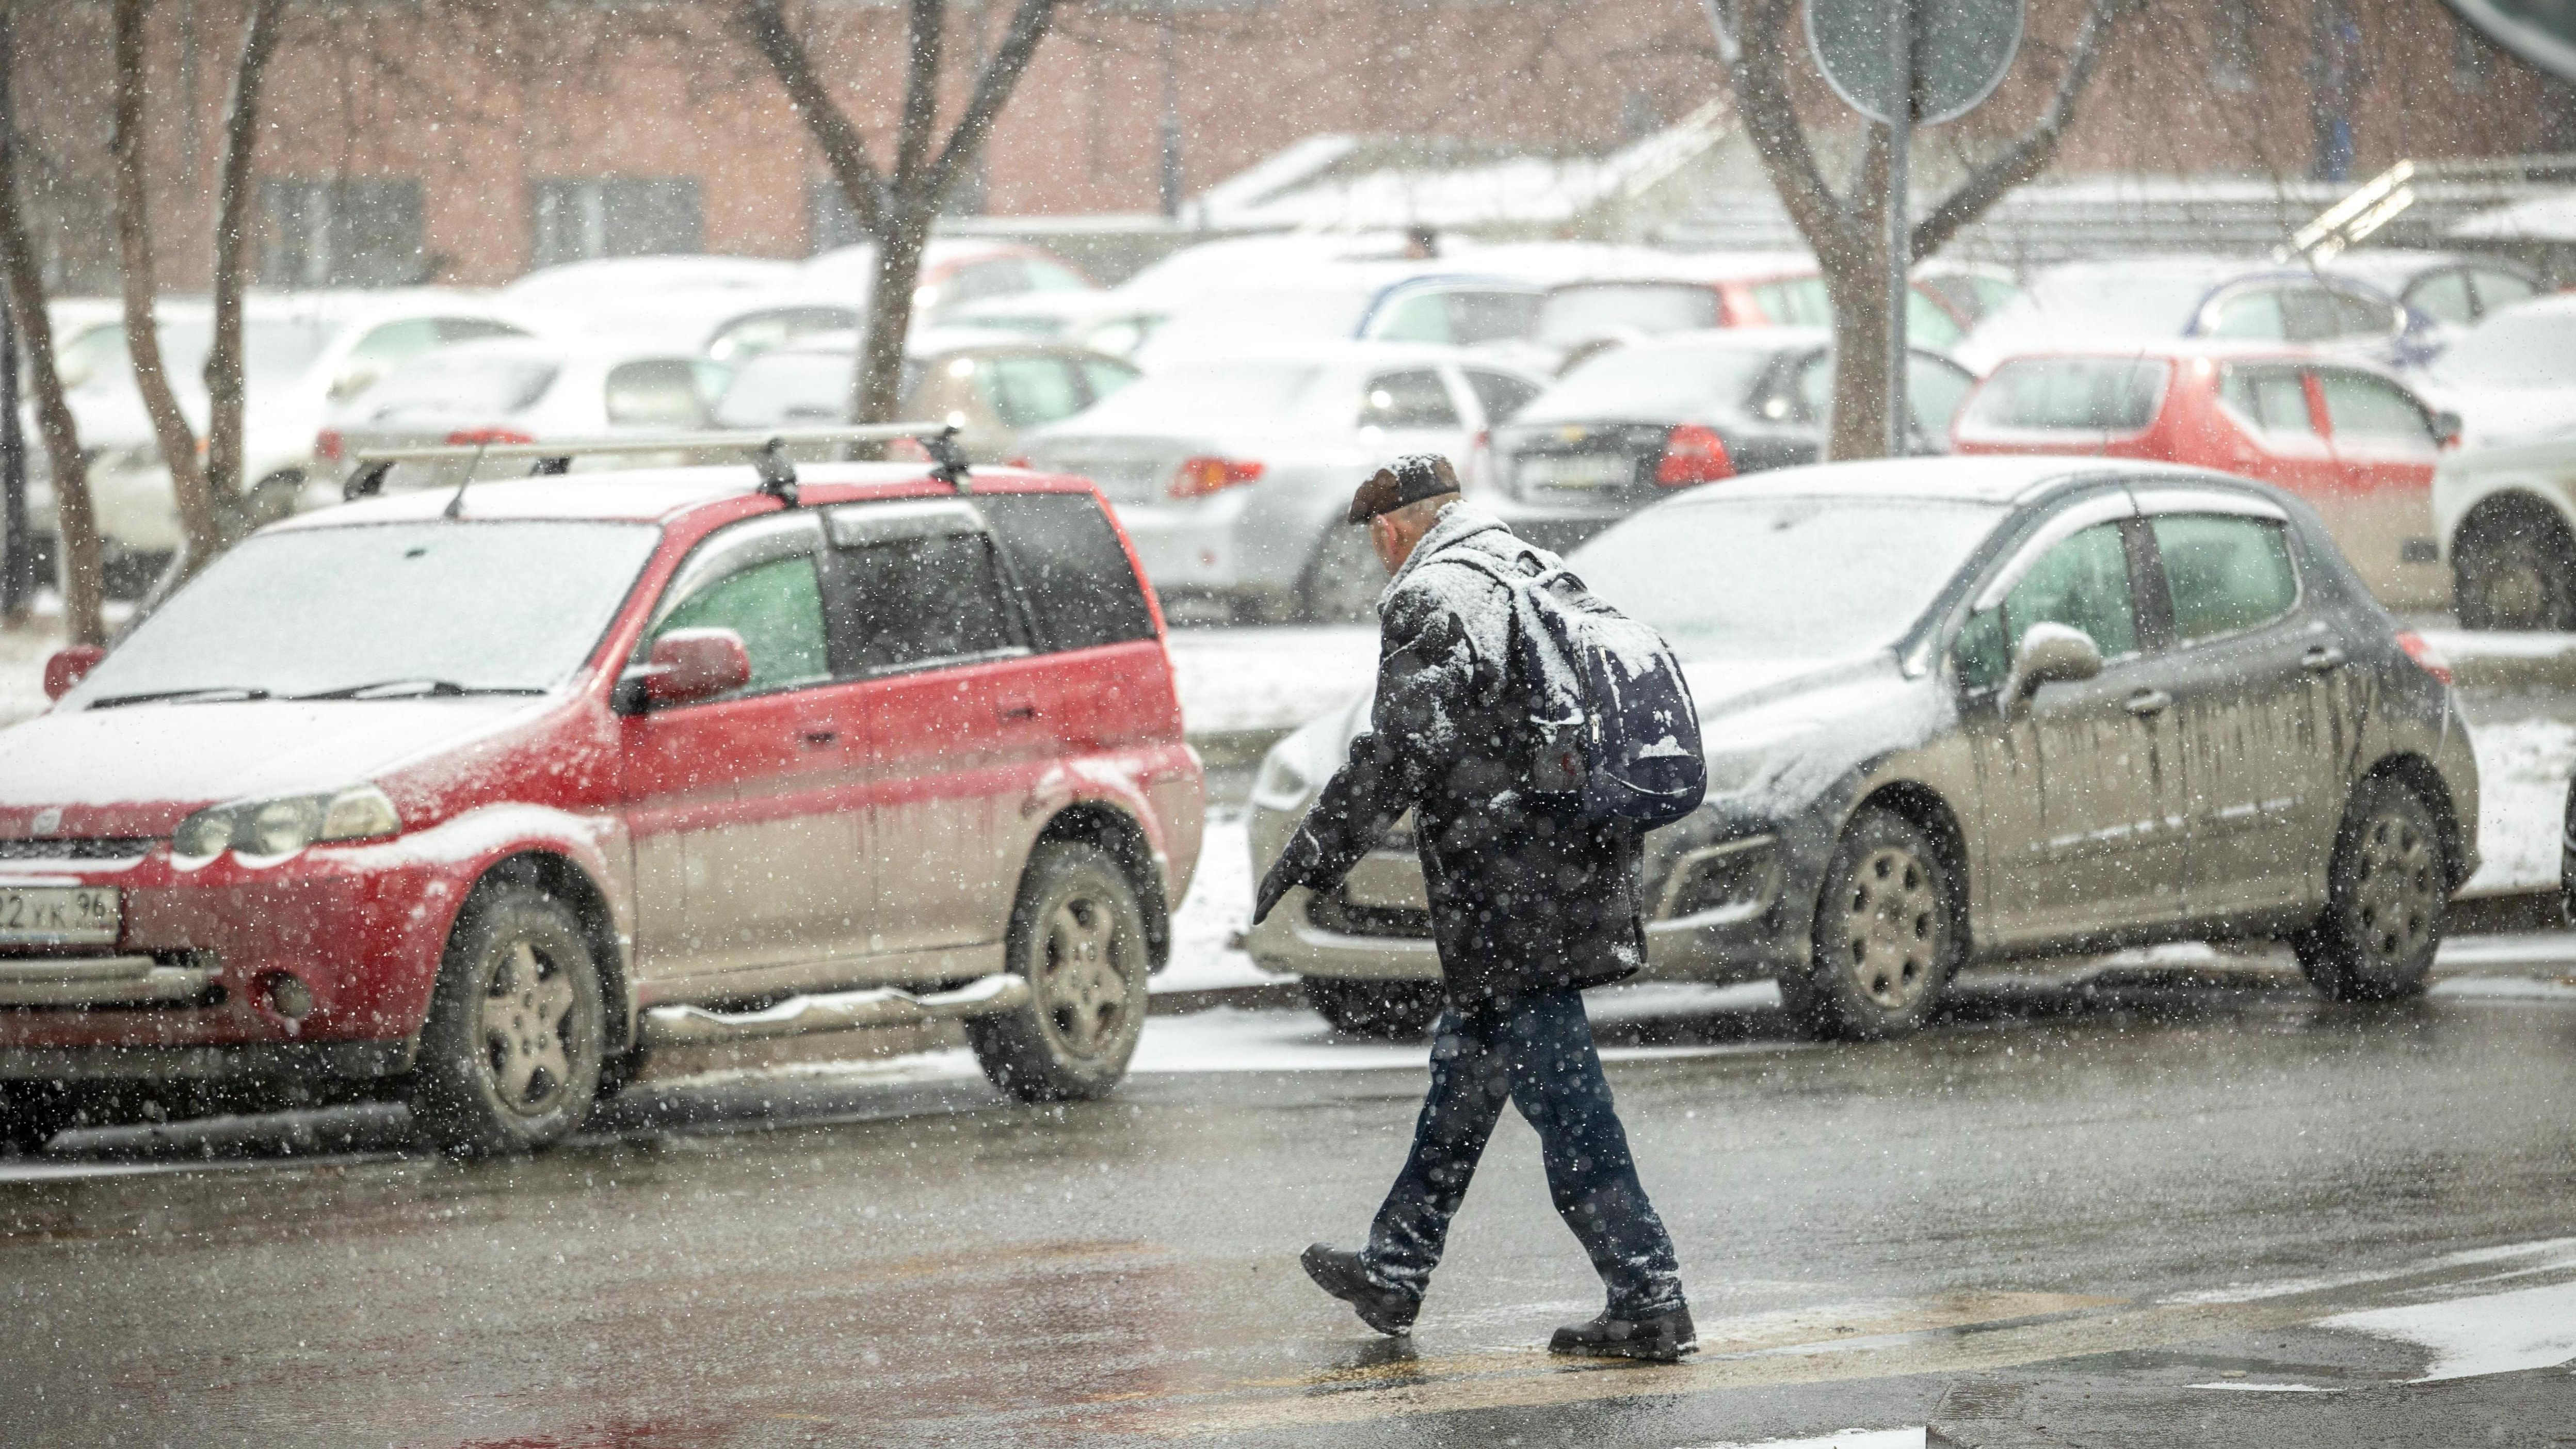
<point>767,451</point>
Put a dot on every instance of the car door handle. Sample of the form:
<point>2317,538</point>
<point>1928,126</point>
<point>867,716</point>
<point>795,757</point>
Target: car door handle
<point>2149,701</point>
<point>818,736</point>
<point>2322,659</point>
<point>1016,711</point>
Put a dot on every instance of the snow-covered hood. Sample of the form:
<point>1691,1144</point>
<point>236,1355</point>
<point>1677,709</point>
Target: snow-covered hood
<point>141,769</point>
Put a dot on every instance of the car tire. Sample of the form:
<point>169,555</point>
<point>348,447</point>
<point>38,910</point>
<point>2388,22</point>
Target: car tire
<point>1078,935</point>
<point>33,1114</point>
<point>510,1060</point>
<point>2387,894</point>
<point>1343,579</point>
<point>1887,934</point>
<point>2514,576</point>
<point>1379,1010</point>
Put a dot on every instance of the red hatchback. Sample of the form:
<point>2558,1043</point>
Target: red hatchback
<point>2350,440</point>
<point>474,805</point>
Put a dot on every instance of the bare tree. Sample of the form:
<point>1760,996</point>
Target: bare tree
<point>178,442</point>
<point>77,530</point>
<point>1849,231</point>
<point>897,208</point>
<point>224,390</point>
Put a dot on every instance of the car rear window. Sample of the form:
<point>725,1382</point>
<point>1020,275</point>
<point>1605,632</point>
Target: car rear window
<point>1068,557</point>
<point>476,384</point>
<point>2070,395</point>
<point>1579,314</point>
<point>1221,390</point>
<point>1654,384</point>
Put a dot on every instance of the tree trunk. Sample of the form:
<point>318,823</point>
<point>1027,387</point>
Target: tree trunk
<point>170,428</point>
<point>224,393</point>
<point>1859,296</point>
<point>877,384</point>
<point>76,546</point>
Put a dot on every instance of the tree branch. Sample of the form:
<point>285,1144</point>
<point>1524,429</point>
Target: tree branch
<point>224,389</point>
<point>1029,25</point>
<point>128,143</point>
<point>1770,120</point>
<point>925,31</point>
<point>2030,154</point>
<point>764,26</point>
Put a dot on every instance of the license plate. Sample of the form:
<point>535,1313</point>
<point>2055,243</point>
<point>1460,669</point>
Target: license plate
<point>59,915</point>
<point>1578,472</point>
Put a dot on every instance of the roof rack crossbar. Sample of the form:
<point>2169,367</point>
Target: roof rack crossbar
<point>766,449</point>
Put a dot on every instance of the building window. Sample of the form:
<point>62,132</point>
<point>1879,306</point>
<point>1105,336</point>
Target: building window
<point>2231,46</point>
<point>2472,58</point>
<point>575,221</point>
<point>340,233</point>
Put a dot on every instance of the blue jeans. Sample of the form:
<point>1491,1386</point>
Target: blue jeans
<point>1536,1050</point>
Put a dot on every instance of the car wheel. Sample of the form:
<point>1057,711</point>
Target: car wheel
<point>1886,933</point>
<point>2386,894</point>
<point>1344,578</point>
<point>1384,1010</point>
<point>2506,576</point>
<point>1078,935</point>
<point>33,1114</point>
<point>511,1058</point>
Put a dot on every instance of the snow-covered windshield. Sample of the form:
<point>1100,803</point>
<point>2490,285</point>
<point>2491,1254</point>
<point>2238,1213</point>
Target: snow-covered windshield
<point>2527,347</point>
<point>1653,384</point>
<point>1814,577</point>
<point>397,608</point>
<point>1217,394</point>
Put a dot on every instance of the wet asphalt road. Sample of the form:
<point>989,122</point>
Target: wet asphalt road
<point>2066,1206</point>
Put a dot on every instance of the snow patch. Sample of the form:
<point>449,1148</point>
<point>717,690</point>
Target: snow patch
<point>1847,1439</point>
<point>2498,1333</point>
<point>1219,906</point>
<point>2268,1388</point>
<point>2523,769</point>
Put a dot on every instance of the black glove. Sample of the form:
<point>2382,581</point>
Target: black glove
<point>1285,874</point>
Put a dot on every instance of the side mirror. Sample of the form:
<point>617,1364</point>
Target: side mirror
<point>69,667</point>
<point>2049,654</point>
<point>2448,428</point>
<point>685,666</point>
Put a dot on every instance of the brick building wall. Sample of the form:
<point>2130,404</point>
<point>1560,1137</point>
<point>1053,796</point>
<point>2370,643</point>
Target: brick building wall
<point>501,133</point>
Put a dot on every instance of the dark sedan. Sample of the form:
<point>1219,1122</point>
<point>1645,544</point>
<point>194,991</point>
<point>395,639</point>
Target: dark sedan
<point>1632,425</point>
<point>1972,710</point>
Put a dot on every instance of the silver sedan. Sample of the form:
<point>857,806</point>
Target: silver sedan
<point>1972,710</point>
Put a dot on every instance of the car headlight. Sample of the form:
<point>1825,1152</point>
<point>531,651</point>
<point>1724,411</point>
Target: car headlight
<point>287,824</point>
<point>1281,785</point>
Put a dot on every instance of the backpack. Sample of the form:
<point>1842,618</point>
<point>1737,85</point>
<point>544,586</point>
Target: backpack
<point>1611,714</point>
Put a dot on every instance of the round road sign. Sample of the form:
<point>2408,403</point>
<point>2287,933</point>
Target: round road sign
<point>1961,50</point>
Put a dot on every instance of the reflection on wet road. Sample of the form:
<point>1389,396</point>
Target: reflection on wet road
<point>2171,1182</point>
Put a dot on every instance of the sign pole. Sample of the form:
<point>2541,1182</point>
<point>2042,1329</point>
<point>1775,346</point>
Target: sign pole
<point>1900,229</point>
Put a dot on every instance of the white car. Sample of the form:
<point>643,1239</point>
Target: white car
<point>2504,503</point>
<point>526,390</point>
<point>2513,375</point>
<point>303,353</point>
<point>1231,473</point>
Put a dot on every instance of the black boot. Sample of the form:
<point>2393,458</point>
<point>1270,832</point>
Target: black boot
<point>1388,1310</point>
<point>1663,1338</point>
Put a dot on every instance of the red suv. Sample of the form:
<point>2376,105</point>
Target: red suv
<point>472,805</point>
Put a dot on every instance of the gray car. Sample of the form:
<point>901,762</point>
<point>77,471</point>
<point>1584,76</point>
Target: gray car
<point>1971,710</point>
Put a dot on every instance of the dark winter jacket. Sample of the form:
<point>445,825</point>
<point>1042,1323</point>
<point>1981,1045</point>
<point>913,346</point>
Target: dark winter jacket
<point>1526,894</point>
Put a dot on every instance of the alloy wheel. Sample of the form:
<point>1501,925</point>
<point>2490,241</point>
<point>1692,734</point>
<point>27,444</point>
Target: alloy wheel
<point>1892,929</point>
<point>2396,890</point>
<point>1082,987</point>
<point>526,1028</point>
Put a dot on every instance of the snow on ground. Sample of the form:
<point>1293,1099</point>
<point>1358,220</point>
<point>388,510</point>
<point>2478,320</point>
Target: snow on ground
<point>2494,1333</point>
<point>1847,1439</point>
<point>1237,681</point>
<point>2523,767</point>
<point>1219,905</point>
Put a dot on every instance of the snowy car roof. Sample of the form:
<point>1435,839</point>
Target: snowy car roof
<point>1973,480</point>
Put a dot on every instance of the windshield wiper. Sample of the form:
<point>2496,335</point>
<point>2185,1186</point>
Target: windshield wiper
<point>204,693</point>
<point>413,689</point>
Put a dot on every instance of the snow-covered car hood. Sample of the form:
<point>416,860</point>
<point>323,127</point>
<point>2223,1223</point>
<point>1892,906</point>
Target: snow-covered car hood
<point>139,770</point>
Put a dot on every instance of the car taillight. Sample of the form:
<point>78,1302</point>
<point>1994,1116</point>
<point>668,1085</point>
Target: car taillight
<point>1693,454</point>
<point>2426,657</point>
<point>486,437</point>
<point>1199,477</point>
<point>328,445</point>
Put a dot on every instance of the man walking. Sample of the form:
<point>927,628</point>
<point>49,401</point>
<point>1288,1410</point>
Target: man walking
<point>1531,900</point>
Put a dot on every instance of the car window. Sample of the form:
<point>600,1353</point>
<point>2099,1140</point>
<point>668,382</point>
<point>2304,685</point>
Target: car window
<point>1421,317</point>
<point>380,351</point>
<point>1031,390</point>
<point>2252,313</point>
<point>2359,316</point>
<point>2082,583</point>
<point>1067,557</point>
<point>1816,386</point>
<point>2224,572</point>
<point>1933,391</point>
<point>1797,302</point>
<point>776,605</point>
<point>914,603</point>
<point>1407,400</point>
<point>469,382</point>
<point>1478,316</point>
<point>2444,297</point>
<point>2363,407</point>
<point>474,329</point>
<point>1582,312</point>
<point>1103,377</point>
<point>2311,314</point>
<point>999,277</point>
<point>1500,394</point>
<point>2498,290</point>
<point>1041,275</point>
<point>1980,655</point>
<point>658,392</point>
<point>2071,394</point>
<point>1929,324</point>
<point>2272,399</point>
